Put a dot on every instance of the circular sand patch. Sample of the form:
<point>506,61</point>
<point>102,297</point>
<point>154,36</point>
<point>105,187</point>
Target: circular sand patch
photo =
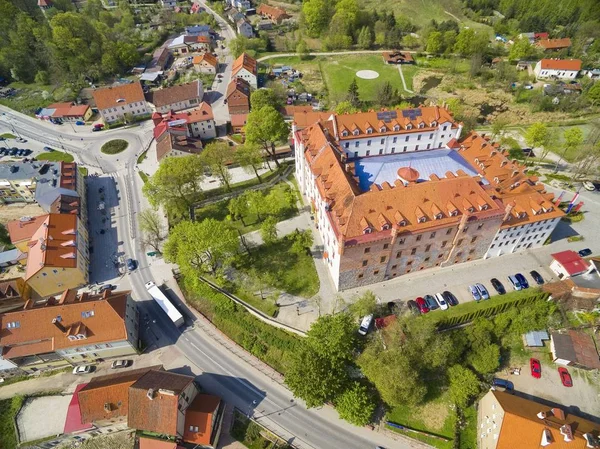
<point>367,74</point>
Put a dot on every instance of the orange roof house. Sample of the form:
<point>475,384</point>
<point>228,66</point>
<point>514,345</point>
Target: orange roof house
<point>245,67</point>
<point>561,64</point>
<point>238,96</point>
<point>201,420</point>
<point>123,94</point>
<point>274,14</point>
<point>554,44</point>
<point>398,57</point>
<point>205,63</point>
<point>516,422</point>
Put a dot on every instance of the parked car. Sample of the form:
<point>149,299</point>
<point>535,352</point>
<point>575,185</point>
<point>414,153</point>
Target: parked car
<point>98,126</point>
<point>28,152</point>
<point>475,293</point>
<point>107,287</point>
<point>498,286</point>
<point>413,307</point>
<point>537,277</point>
<point>21,140</point>
<point>422,305</point>
<point>13,151</point>
<point>585,252</point>
<point>515,282</point>
<point>482,291</point>
<point>365,324</point>
<point>522,280</point>
<point>49,149</point>
<point>565,377</point>
<point>589,186</point>
<point>503,384</point>
<point>439,298</point>
<point>536,368</point>
<point>121,364</point>
<point>450,298</point>
<point>431,303</point>
<point>83,369</point>
<point>131,265</point>
<point>80,123</point>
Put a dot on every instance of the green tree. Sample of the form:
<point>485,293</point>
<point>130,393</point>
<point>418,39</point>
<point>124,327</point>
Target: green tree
<point>573,139</point>
<point>353,95</point>
<point>255,201</point>
<point>250,158</point>
<point>356,405</point>
<point>593,94</point>
<point>153,232</point>
<point>268,230</point>
<point>5,237</point>
<point>303,241</point>
<point>386,95</point>
<point>365,305</point>
<point>176,183</point>
<point>498,127</point>
<point>464,385</point>
<point>201,246</point>
<point>345,107</point>
<point>238,45</point>
<point>302,50</point>
<point>264,97</point>
<point>315,16</point>
<point>266,127</point>
<point>365,38</point>
<point>485,359</point>
<point>238,207</point>
<point>319,370</point>
<point>435,42</point>
<point>217,156</point>
<point>521,49</point>
<point>469,43</point>
<point>537,135</point>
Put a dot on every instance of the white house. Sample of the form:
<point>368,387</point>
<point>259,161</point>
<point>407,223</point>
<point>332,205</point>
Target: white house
<point>245,67</point>
<point>201,122</point>
<point>118,102</point>
<point>244,28</point>
<point>568,263</point>
<point>566,69</point>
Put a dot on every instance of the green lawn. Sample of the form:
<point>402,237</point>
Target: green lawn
<point>29,97</point>
<point>8,411</point>
<point>339,71</point>
<point>220,212</point>
<point>289,272</point>
<point>55,156</point>
<point>114,146</point>
<point>252,435</point>
<point>7,136</point>
<point>142,156</point>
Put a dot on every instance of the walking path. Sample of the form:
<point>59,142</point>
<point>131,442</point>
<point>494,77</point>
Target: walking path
<point>402,78</point>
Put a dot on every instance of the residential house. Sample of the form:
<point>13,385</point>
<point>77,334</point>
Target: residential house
<point>58,187</point>
<point>198,30</point>
<point>397,57</point>
<point>554,44</point>
<point>509,421</point>
<point>235,15</point>
<point>160,58</point>
<point>173,145</point>
<point>244,28</point>
<point>176,98</point>
<point>593,73</point>
<point>70,330</point>
<point>574,348</point>
<point>273,13</point>
<point>198,122</point>
<point>168,4</point>
<point>184,44</point>
<point>104,400</point>
<point>13,294</point>
<point>395,192</point>
<point>44,4</point>
<point>245,67</point>
<point>567,264</point>
<point>533,37</point>
<point>566,69</point>
<point>153,400</point>
<point>57,251</point>
<point>238,122</point>
<point>68,112</point>
<point>238,96</point>
<point>197,8</point>
<point>206,63</point>
<point>241,5</point>
<point>121,102</point>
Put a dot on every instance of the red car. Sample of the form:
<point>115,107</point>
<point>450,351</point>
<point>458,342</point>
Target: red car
<point>422,305</point>
<point>565,377</point>
<point>536,368</point>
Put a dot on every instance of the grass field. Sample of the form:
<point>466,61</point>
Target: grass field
<point>7,136</point>
<point>8,411</point>
<point>114,146</point>
<point>339,71</point>
<point>55,156</point>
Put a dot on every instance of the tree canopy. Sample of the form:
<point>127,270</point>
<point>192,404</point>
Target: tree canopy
<point>217,156</point>
<point>266,127</point>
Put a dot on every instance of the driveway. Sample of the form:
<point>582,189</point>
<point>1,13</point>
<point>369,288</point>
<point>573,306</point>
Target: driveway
<point>42,417</point>
<point>582,399</point>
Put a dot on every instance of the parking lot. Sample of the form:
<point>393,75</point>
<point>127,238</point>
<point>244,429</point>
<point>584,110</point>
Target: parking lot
<point>583,398</point>
<point>42,417</point>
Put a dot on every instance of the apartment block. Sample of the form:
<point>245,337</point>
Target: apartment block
<point>395,192</point>
<point>69,330</point>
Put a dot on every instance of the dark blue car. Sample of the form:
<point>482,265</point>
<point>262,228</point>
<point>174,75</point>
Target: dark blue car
<point>131,265</point>
<point>503,383</point>
<point>522,280</point>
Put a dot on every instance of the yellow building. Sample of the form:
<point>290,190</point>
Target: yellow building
<point>57,251</point>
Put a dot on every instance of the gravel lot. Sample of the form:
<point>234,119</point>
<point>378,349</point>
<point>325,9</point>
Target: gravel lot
<point>34,420</point>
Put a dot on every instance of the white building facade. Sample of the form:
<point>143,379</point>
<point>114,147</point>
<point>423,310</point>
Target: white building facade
<point>120,111</point>
<point>564,69</point>
<point>514,239</point>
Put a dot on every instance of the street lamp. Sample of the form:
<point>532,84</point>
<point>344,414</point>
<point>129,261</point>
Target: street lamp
<point>12,126</point>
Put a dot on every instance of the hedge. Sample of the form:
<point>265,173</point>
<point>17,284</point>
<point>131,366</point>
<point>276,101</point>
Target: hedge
<point>270,344</point>
<point>467,312</point>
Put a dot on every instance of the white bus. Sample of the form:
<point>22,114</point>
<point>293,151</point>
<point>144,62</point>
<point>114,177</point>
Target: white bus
<point>164,303</point>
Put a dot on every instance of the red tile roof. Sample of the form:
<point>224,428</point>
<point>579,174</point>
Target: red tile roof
<point>572,262</point>
<point>244,62</point>
<point>561,64</point>
<point>397,57</point>
<point>239,84</point>
<point>206,57</point>
<point>554,44</point>
<point>272,12</point>
<point>111,97</point>
<point>73,423</point>
<point>151,443</point>
<point>37,334</point>
<point>176,94</point>
<point>200,414</point>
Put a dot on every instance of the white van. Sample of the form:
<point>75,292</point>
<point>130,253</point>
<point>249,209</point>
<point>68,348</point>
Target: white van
<point>365,325</point>
<point>439,298</point>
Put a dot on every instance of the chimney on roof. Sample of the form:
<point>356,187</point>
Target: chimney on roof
<point>542,415</point>
<point>167,392</point>
<point>150,394</point>
<point>559,413</point>
<point>57,322</point>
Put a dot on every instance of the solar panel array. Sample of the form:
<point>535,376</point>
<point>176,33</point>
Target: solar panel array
<point>387,116</point>
<point>412,114</point>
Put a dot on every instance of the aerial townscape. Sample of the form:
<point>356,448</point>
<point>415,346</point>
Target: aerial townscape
<point>307,224</point>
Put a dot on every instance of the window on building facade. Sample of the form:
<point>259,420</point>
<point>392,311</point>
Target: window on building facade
<point>401,241</point>
<point>393,150</point>
<point>416,147</point>
<point>356,154</point>
<point>460,242</point>
<point>449,231</point>
<point>398,254</point>
<point>382,259</point>
<point>405,148</point>
<point>440,255</point>
<point>367,250</point>
<point>406,139</point>
<point>444,243</point>
<point>428,146</point>
<point>409,263</point>
<point>413,251</point>
<point>376,272</point>
<point>360,276</point>
<point>368,152</point>
<point>419,237</point>
<point>386,245</point>
<point>394,267</point>
<point>419,137</point>
<point>381,151</point>
<point>472,251</point>
<point>347,144</point>
<point>394,140</point>
<point>364,263</point>
<point>473,239</point>
<point>479,226</point>
<point>427,259</point>
<point>427,248</point>
<point>368,143</point>
<point>382,141</point>
<point>356,144</point>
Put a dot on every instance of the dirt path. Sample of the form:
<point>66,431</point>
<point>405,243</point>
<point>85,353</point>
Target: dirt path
<point>402,78</point>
